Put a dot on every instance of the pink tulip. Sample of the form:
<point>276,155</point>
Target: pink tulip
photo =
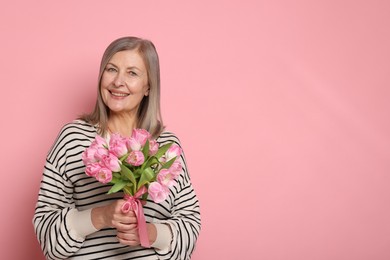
<point>166,178</point>
<point>133,144</point>
<point>173,151</point>
<point>112,162</point>
<point>153,147</point>
<point>104,175</point>
<point>118,145</point>
<point>162,159</point>
<point>100,153</point>
<point>157,192</point>
<point>99,141</point>
<point>135,158</point>
<point>92,169</point>
<point>88,156</point>
<point>176,168</point>
<point>141,135</point>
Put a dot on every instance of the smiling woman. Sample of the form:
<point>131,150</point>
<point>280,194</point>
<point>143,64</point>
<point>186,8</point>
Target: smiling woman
<point>74,217</point>
<point>124,84</point>
<point>128,63</point>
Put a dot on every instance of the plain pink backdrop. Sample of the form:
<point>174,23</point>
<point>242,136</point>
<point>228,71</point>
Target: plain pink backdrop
<point>282,108</point>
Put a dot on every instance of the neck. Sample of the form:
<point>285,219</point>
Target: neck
<point>122,124</point>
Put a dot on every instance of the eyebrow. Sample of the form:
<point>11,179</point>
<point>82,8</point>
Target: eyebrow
<point>131,67</point>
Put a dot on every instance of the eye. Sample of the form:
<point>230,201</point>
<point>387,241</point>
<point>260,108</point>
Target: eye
<point>110,69</point>
<point>133,73</point>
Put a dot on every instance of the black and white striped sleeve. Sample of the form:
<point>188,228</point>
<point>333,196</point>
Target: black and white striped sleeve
<point>55,199</point>
<point>185,220</point>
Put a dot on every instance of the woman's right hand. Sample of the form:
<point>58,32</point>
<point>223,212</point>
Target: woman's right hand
<point>111,215</point>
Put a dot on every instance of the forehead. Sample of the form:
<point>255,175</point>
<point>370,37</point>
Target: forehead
<point>128,58</point>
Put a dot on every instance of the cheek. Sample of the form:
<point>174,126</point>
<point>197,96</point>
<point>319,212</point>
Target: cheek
<point>137,87</point>
<point>103,91</point>
<point>104,82</point>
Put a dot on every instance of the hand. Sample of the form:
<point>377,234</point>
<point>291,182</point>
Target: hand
<point>111,215</point>
<point>129,237</point>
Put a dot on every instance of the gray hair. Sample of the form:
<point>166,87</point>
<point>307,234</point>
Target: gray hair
<point>149,112</point>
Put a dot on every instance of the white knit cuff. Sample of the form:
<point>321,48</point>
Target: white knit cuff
<point>164,237</point>
<point>80,223</point>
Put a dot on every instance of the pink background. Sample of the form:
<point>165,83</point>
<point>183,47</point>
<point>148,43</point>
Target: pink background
<point>282,108</point>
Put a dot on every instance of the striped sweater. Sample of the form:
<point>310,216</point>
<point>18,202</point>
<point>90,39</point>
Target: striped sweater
<point>65,187</point>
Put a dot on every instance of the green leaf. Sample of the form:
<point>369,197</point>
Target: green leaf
<point>128,174</point>
<point>147,176</point>
<point>115,178</point>
<point>151,161</point>
<point>169,163</point>
<point>145,150</point>
<point>117,186</point>
<point>137,173</point>
<point>162,150</point>
<point>128,165</point>
<point>128,189</point>
<point>124,157</point>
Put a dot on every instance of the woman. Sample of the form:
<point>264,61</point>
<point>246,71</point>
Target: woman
<point>74,217</point>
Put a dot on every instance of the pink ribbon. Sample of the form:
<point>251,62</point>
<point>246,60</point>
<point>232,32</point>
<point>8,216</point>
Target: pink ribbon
<point>134,203</point>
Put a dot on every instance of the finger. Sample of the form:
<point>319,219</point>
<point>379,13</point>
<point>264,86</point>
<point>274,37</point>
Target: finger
<point>130,213</point>
<point>128,243</point>
<point>119,222</point>
<point>128,238</point>
<point>128,220</point>
<point>127,227</point>
<point>128,217</point>
<point>131,236</point>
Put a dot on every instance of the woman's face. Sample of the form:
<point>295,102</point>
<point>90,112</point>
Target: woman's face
<point>124,82</point>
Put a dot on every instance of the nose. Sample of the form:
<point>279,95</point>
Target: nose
<point>119,80</point>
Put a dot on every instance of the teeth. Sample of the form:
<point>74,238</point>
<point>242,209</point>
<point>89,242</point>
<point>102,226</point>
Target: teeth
<point>119,94</point>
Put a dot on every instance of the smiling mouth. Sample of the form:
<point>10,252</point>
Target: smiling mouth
<point>117,94</point>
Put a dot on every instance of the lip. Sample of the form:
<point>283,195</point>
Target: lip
<point>118,94</point>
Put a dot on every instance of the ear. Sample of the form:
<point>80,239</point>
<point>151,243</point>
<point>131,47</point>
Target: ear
<point>147,92</point>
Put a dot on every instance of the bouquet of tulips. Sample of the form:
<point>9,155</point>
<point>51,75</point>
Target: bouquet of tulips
<point>136,165</point>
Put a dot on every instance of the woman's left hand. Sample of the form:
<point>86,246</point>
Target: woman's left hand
<point>129,236</point>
